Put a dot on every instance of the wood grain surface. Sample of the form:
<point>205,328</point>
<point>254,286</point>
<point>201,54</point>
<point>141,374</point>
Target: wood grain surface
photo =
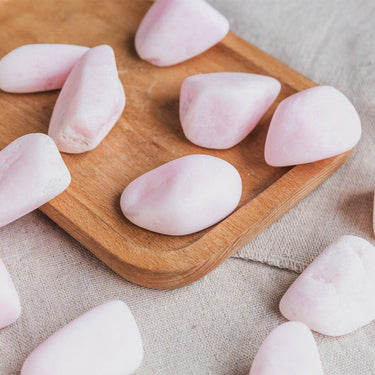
<point>147,135</point>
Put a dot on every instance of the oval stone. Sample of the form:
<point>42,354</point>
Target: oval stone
<point>105,340</point>
<point>183,196</point>
<point>38,67</point>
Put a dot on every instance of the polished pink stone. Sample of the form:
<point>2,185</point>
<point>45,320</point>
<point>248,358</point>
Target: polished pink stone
<point>312,125</point>
<point>183,196</point>
<point>290,349</point>
<point>38,67</point>
<point>90,103</point>
<point>103,341</point>
<point>173,31</point>
<point>218,110</point>
<point>335,295</point>
<point>10,307</point>
<point>32,172</point>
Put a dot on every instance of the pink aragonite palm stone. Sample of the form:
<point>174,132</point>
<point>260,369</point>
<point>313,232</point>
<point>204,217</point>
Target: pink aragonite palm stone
<point>183,196</point>
<point>218,110</point>
<point>38,67</point>
<point>10,307</point>
<point>105,340</point>
<point>32,172</point>
<point>335,295</point>
<point>90,103</point>
<point>173,31</point>
<point>311,125</point>
<point>290,349</point>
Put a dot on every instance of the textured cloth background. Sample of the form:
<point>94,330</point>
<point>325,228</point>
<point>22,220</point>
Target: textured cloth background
<point>216,325</point>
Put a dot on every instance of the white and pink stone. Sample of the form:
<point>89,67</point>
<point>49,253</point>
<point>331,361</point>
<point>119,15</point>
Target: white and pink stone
<point>10,307</point>
<point>183,196</point>
<point>90,103</point>
<point>173,31</point>
<point>105,340</point>
<point>335,295</point>
<point>218,110</point>
<point>290,349</point>
<point>312,125</point>
<point>38,67</point>
<point>32,172</point>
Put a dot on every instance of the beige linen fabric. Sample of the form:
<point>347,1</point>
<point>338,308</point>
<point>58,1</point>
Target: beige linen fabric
<point>216,325</point>
<point>212,327</point>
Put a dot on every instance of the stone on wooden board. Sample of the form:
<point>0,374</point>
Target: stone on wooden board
<point>32,172</point>
<point>90,103</point>
<point>312,125</point>
<point>38,67</point>
<point>173,31</point>
<point>183,196</point>
<point>218,110</point>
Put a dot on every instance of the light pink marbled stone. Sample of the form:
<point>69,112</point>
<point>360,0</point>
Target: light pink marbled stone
<point>10,307</point>
<point>183,196</point>
<point>335,295</point>
<point>290,349</point>
<point>218,110</point>
<point>38,67</point>
<point>90,103</point>
<point>173,31</point>
<point>105,340</point>
<point>312,125</point>
<point>32,172</point>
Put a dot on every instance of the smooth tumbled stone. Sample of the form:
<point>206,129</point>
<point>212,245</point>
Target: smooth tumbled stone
<point>105,340</point>
<point>173,31</point>
<point>218,110</point>
<point>290,349</point>
<point>38,67</point>
<point>10,307</point>
<point>335,295</point>
<point>311,125</point>
<point>32,172</point>
<point>183,196</point>
<point>90,103</point>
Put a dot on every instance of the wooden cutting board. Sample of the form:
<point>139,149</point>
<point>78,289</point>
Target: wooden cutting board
<point>148,135</point>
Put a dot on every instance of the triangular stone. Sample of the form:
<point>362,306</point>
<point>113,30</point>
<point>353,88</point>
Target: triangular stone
<point>105,340</point>
<point>10,308</point>
<point>173,31</point>
<point>218,110</point>
<point>311,125</point>
<point>38,67</point>
<point>90,103</point>
<point>335,295</point>
<point>290,349</point>
<point>32,172</point>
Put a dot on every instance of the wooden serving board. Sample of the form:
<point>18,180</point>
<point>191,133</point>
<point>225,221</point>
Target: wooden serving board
<point>148,135</point>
